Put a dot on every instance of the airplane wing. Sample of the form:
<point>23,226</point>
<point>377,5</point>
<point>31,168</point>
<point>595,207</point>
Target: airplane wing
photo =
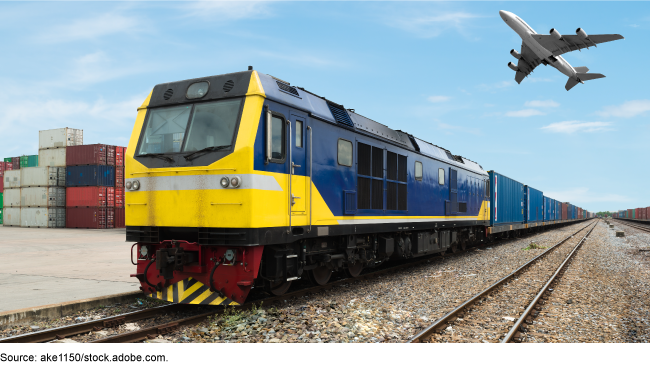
<point>527,63</point>
<point>572,42</point>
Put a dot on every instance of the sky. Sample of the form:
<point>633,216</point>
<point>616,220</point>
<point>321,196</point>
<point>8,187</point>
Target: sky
<point>436,70</point>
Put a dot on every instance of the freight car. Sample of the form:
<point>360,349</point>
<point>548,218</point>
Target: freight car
<point>242,180</point>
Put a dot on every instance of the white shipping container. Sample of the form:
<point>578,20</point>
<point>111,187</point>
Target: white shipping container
<point>11,197</point>
<point>42,217</point>
<point>12,217</point>
<point>42,197</point>
<point>60,137</point>
<point>42,176</point>
<point>12,179</point>
<point>52,157</point>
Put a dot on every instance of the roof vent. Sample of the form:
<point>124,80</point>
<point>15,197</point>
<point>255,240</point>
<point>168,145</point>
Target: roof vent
<point>340,115</point>
<point>287,88</point>
<point>228,86</point>
<point>168,94</point>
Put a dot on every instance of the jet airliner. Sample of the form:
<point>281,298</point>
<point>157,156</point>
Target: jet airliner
<point>546,49</point>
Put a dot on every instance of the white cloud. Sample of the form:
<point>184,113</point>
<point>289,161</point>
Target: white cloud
<point>449,128</point>
<point>583,195</point>
<point>98,67</point>
<point>91,28</point>
<point>429,26</point>
<point>629,109</point>
<point>498,85</point>
<point>577,126</point>
<point>220,11</point>
<point>438,98</point>
<point>541,103</point>
<point>525,113</point>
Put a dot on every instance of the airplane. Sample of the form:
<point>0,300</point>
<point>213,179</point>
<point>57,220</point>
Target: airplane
<point>546,49</point>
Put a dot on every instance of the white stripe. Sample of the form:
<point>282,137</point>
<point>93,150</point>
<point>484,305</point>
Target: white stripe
<point>202,182</point>
<point>399,221</point>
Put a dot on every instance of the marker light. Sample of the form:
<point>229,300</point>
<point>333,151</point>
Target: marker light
<point>144,250</point>
<point>235,181</point>
<point>225,182</point>
<point>136,185</point>
<point>128,185</point>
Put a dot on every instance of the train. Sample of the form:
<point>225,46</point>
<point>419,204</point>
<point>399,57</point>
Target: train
<point>242,180</point>
<point>638,214</point>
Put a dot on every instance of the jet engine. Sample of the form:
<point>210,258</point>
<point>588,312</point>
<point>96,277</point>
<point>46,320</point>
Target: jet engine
<point>581,33</point>
<point>556,34</point>
<point>515,54</point>
<point>512,66</point>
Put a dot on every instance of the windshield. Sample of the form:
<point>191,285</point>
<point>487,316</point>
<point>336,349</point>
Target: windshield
<point>212,124</point>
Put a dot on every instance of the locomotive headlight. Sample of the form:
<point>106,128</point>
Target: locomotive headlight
<point>128,185</point>
<point>235,181</point>
<point>144,250</point>
<point>225,182</point>
<point>136,185</point>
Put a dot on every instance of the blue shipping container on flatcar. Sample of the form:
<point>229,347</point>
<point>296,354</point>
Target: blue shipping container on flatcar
<point>90,176</point>
<point>548,209</point>
<point>533,204</point>
<point>506,200</point>
<point>558,210</point>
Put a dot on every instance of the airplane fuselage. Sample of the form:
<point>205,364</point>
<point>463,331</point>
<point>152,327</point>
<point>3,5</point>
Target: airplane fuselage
<point>526,33</point>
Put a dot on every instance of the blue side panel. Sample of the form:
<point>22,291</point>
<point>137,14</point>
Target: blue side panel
<point>533,204</point>
<point>506,200</point>
<point>90,176</point>
<point>548,208</point>
<point>558,210</point>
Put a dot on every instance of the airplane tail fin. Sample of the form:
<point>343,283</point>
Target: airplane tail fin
<point>581,77</point>
<point>581,69</point>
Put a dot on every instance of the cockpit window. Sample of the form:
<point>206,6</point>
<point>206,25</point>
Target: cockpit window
<point>210,125</point>
<point>165,130</point>
<point>213,124</point>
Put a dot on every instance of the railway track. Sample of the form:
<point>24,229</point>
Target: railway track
<point>636,226</point>
<point>154,331</point>
<point>483,315</point>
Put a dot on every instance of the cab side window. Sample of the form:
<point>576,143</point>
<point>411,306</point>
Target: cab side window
<point>441,177</point>
<point>344,152</point>
<point>418,170</point>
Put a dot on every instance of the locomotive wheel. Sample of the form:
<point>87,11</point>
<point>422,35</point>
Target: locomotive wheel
<point>463,246</point>
<point>355,269</point>
<point>454,248</point>
<point>320,275</point>
<point>278,288</point>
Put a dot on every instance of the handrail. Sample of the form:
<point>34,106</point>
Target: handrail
<point>311,160</point>
<point>183,170</point>
<point>290,174</point>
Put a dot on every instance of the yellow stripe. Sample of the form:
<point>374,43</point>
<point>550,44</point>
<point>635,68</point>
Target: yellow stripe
<point>170,293</point>
<point>218,301</point>
<point>202,297</point>
<point>190,291</point>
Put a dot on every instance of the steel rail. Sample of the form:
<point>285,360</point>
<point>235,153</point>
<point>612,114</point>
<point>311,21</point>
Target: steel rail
<point>515,328</point>
<point>636,226</point>
<point>450,316</point>
<point>93,325</point>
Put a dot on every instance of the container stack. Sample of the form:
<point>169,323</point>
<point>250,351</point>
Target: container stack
<point>95,186</point>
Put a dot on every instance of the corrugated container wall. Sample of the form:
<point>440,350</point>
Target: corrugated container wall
<point>44,176</point>
<point>548,209</point>
<point>52,157</point>
<point>12,197</point>
<point>1,208</point>
<point>85,217</point>
<point>119,217</point>
<point>42,217</point>
<point>42,197</point>
<point>90,175</point>
<point>533,204</point>
<point>85,197</point>
<point>119,155</point>
<point>12,179</point>
<point>60,137</point>
<point>86,155</point>
<point>119,197</point>
<point>11,216</point>
<point>565,210</point>
<point>16,162</point>
<point>28,161</point>
<point>506,200</point>
<point>110,155</point>
<point>119,176</point>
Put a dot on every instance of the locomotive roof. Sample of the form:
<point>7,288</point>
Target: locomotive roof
<point>236,84</point>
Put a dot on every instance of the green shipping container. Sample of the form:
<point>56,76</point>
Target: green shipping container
<point>28,161</point>
<point>7,160</point>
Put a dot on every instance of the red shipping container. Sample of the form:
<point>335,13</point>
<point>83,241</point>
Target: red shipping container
<point>16,163</point>
<point>9,166</point>
<point>110,197</point>
<point>119,155</point>
<point>110,155</point>
<point>86,155</point>
<point>2,166</point>
<point>85,196</point>
<point>119,176</point>
<point>119,218</point>
<point>85,217</point>
<point>119,197</point>
<point>647,212</point>
<point>565,208</point>
<point>110,218</point>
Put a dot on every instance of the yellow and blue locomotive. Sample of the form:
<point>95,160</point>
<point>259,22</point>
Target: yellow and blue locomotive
<point>242,180</point>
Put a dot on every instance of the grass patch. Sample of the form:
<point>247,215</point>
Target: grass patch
<point>533,245</point>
